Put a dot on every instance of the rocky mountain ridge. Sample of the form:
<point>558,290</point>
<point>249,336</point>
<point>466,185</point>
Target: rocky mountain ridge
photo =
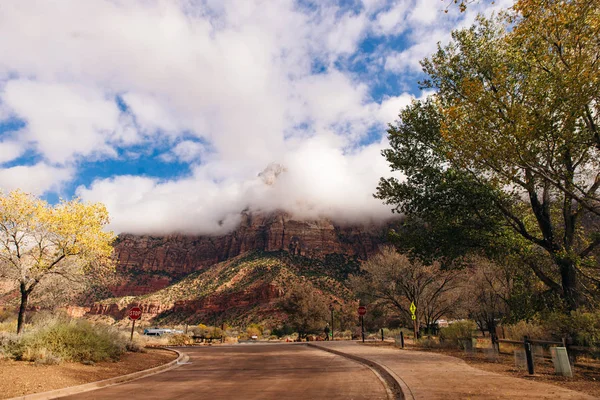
<point>150,263</point>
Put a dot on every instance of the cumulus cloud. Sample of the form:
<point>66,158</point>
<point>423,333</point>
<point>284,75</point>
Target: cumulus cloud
<point>36,179</point>
<point>316,180</point>
<point>227,88</point>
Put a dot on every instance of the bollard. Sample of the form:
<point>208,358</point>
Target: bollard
<point>528,355</point>
<point>382,334</point>
<point>402,338</point>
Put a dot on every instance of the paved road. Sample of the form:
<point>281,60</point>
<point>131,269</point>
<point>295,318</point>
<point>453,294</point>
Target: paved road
<point>256,371</point>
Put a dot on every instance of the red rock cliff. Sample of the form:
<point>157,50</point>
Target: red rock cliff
<point>149,263</point>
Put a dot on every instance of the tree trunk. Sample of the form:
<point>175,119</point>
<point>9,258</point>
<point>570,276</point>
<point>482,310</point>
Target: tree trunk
<point>568,275</point>
<point>24,299</point>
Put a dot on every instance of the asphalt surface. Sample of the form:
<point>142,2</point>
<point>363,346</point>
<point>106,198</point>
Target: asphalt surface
<point>254,371</point>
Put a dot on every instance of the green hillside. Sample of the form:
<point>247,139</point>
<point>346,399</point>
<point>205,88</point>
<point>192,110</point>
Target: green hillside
<point>245,289</point>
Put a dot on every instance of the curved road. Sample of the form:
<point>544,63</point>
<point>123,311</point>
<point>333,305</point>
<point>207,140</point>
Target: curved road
<point>253,371</point>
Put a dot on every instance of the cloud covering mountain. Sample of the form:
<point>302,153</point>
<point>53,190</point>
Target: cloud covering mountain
<point>168,111</point>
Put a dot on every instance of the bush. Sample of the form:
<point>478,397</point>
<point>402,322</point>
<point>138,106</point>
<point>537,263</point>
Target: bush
<point>180,340</point>
<point>457,331</point>
<point>582,326</point>
<point>532,330</point>
<point>71,341</point>
<point>135,347</point>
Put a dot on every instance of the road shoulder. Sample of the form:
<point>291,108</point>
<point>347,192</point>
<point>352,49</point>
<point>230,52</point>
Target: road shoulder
<point>61,392</point>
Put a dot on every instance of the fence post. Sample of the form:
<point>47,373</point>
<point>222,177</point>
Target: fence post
<point>402,338</point>
<point>528,355</point>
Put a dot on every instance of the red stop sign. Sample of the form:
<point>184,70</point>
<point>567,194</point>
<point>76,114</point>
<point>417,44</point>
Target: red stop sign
<point>362,310</point>
<point>135,313</point>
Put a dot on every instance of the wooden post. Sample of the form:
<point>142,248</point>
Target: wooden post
<point>362,323</point>
<point>402,338</point>
<point>416,332</point>
<point>132,326</point>
<point>382,334</point>
<point>528,355</point>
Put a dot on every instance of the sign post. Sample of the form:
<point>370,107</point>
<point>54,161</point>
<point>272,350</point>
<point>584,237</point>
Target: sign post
<point>362,310</point>
<point>134,313</point>
<point>412,309</point>
<point>331,308</point>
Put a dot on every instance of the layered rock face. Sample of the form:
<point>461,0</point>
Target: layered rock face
<point>149,263</point>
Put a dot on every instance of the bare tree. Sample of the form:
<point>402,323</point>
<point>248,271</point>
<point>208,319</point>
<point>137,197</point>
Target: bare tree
<point>397,281</point>
<point>487,292</point>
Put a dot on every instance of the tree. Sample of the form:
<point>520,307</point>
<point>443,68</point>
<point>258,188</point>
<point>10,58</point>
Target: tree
<point>397,281</point>
<point>448,213</point>
<point>489,287</point>
<point>306,308</point>
<point>42,243</point>
<point>517,112</point>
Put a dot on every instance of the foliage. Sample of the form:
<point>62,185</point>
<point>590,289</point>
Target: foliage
<point>532,329</point>
<point>458,330</point>
<point>447,212</point>
<point>69,340</point>
<point>306,308</point>
<point>397,281</point>
<point>514,121</point>
<point>284,330</point>
<point>489,287</point>
<point>44,244</point>
<point>179,339</point>
<point>254,330</point>
<point>580,325</point>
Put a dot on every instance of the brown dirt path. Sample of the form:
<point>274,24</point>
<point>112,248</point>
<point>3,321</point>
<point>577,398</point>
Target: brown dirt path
<point>435,376</point>
<point>20,378</point>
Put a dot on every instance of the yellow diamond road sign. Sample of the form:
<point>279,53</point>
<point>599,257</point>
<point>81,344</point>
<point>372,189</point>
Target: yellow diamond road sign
<point>414,316</point>
<point>413,308</point>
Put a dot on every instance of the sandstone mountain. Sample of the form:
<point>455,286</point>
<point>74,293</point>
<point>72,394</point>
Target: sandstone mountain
<point>234,277</point>
<point>150,263</point>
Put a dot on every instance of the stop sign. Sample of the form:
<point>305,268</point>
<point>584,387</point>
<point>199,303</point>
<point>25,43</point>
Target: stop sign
<point>362,310</point>
<point>135,313</point>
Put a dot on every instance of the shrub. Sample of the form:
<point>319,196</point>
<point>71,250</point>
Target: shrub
<point>457,331</point>
<point>41,356</point>
<point>6,315</point>
<point>532,330</point>
<point>254,330</point>
<point>583,326</point>
<point>71,341</point>
<point>135,347</point>
<point>180,340</point>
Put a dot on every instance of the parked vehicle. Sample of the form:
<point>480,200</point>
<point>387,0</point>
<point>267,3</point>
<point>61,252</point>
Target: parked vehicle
<point>160,331</point>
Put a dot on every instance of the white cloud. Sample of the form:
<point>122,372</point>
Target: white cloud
<point>319,180</point>
<point>226,86</point>
<point>187,151</point>
<point>36,179</point>
<point>10,150</point>
<point>62,120</point>
<point>392,21</point>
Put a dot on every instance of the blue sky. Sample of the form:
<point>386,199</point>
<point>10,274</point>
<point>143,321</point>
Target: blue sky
<point>179,114</point>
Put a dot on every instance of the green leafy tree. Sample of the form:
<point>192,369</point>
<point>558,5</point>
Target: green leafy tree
<point>306,308</point>
<point>516,117</point>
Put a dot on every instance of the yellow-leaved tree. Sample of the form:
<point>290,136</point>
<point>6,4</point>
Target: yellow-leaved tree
<point>61,242</point>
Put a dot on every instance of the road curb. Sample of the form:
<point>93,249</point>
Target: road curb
<point>86,387</point>
<point>393,386</point>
